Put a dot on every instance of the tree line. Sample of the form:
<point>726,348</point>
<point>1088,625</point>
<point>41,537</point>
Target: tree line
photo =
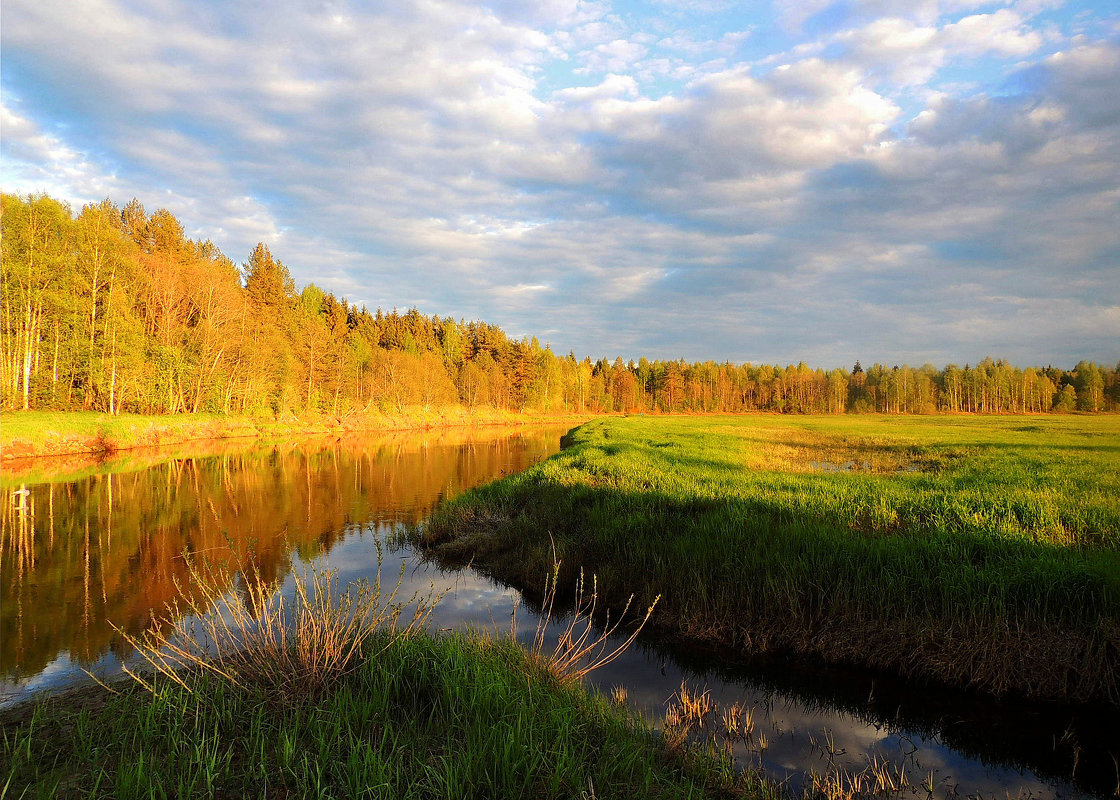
<point>114,309</point>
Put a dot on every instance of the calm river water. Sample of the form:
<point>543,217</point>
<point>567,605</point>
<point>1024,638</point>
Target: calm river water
<point>87,549</point>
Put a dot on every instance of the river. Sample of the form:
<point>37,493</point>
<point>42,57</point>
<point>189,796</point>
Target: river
<point>87,550</point>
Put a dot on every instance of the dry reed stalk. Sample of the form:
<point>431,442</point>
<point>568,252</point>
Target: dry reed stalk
<point>290,646</point>
<point>695,707</point>
<point>738,722</point>
<point>880,778</point>
<point>577,652</point>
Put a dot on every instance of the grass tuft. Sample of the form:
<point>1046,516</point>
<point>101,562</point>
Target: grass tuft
<point>254,636</point>
<point>578,650</point>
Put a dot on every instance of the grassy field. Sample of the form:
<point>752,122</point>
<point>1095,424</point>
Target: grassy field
<point>974,551</point>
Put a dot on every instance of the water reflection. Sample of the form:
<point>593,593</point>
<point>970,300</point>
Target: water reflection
<point>104,546</point>
<point>80,557</point>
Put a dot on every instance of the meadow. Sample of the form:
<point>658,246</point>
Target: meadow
<point>977,552</point>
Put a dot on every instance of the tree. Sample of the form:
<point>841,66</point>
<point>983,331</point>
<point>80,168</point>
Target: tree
<point>473,389</point>
<point>672,386</point>
<point>267,281</point>
<point>1066,400</point>
<point>34,257</point>
<point>837,391</point>
<point>452,345</point>
<point>99,252</point>
<point>1089,384</point>
<point>270,293</point>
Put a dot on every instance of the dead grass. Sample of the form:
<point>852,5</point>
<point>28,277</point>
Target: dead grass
<point>791,450</point>
<point>579,651</point>
<point>252,635</point>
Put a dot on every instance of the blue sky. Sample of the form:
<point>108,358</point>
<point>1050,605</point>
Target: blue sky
<point>887,180</point>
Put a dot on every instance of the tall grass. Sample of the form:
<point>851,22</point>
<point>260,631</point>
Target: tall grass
<point>975,552</point>
<point>579,650</point>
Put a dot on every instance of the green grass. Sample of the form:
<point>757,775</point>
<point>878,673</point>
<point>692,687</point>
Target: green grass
<point>35,433</point>
<point>973,551</point>
<point>422,717</point>
<point>32,434</point>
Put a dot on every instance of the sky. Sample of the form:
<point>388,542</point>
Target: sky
<point>895,181</point>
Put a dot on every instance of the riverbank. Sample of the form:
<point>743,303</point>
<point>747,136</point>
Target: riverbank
<point>421,716</point>
<point>36,434</point>
<point>980,553</point>
<point>331,690</point>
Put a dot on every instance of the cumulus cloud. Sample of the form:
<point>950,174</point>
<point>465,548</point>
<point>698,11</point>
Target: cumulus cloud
<point>773,189</point>
<point>909,53</point>
<point>614,56</point>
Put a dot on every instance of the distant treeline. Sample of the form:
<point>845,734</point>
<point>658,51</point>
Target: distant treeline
<point>116,310</point>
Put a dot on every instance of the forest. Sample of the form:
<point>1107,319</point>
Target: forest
<point>116,310</point>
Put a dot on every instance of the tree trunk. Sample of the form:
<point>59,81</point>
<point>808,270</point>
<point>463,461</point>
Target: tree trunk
<point>113,379</point>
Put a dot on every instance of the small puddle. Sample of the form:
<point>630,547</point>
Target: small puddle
<point>862,466</point>
<point>843,466</point>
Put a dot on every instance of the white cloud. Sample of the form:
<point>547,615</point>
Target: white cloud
<point>614,56</point>
<point>908,53</point>
<point>1002,33</point>
<point>35,161</point>
<point>409,155</point>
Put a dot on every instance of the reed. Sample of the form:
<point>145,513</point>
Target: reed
<point>582,646</point>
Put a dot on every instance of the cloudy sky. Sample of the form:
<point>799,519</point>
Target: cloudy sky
<point>888,180</point>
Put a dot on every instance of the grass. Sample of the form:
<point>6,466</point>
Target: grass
<point>28,434</point>
<point>454,716</point>
<point>980,552</point>
<point>31,434</point>
<point>308,696</point>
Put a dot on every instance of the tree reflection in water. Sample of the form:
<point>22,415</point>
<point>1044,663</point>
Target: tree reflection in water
<point>107,548</point>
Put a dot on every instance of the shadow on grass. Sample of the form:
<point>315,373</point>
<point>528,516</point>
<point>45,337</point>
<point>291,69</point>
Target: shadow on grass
<point>966,609</point>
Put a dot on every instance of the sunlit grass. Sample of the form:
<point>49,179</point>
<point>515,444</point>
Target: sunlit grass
<point>37,433</point>
<point>452,716</point>
<point>981,551</point>
<point>29,434</point>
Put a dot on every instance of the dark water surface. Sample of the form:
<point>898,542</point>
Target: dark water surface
<point>102,547</point>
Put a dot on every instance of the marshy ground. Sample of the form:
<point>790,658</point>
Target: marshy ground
<point>980,552</point>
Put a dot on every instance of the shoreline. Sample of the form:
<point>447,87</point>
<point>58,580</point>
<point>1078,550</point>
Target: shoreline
<point>28,437</point>
<point>938,664</point>
<point>384,724</point>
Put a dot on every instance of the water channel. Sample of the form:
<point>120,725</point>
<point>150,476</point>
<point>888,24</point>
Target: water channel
<point>85,549</point>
